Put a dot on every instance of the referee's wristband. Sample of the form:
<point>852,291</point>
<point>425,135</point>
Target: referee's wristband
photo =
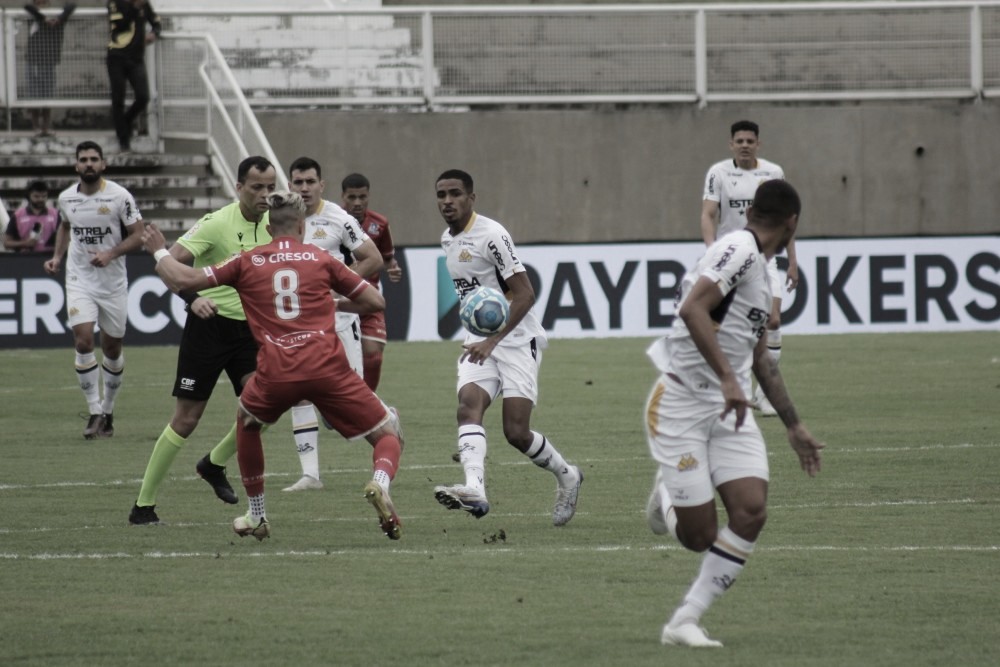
<point>160,254</point>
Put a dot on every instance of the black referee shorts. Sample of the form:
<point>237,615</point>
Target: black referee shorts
<point>209,347</point>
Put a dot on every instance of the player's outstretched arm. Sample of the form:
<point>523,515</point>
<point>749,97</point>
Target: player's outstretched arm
<point>368,300</point>
<point>178,277</point>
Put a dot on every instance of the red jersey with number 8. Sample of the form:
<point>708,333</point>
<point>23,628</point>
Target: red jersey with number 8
<point>285,289</point>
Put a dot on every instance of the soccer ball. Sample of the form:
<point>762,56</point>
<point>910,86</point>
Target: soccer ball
<point>484,311</point>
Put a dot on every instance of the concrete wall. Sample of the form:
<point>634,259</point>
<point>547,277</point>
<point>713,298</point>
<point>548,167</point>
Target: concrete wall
<point>876,169</point>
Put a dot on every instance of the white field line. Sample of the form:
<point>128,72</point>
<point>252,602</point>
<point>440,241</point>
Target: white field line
<point>366,519</point>
<point>340,471</point>
<point>481,551</point>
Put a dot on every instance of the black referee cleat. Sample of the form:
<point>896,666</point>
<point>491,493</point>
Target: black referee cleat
<point>216,477</point>
<point>143,516</point>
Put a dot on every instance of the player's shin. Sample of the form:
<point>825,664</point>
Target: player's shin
<point>472,454</point>
<point>250,455</point>
<point>720,566</point>
<point>112,370</point>
<point>385,459</point>
<point>88,375</point>
<point>372,363</point>
<point>305,429</point>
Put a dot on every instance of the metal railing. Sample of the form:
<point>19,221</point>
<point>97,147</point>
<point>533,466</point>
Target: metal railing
<point>457,56</point>
<point>211,107</point>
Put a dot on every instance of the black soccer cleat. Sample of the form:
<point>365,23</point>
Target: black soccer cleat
<point>93,430</point>
<point>143,516</point>
<point>216,477</point>
<point>107,426</point>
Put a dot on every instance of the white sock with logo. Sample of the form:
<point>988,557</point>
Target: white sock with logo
<point>112,371</point>
<point>719,568</point>
<point>544,455</point>
<point>305,430</point>
<point>88,374</point>
<point>472,454</point>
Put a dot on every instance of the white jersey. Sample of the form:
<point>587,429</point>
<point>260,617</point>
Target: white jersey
<point>733,188</point>
<point>336,231</point>
<point>737,265</point>
<point>483,254</point>
<point>96,224</point>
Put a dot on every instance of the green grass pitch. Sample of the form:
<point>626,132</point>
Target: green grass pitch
<point>889,557</point>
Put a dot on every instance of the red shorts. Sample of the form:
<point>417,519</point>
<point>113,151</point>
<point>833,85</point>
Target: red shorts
<point>344,400</point>
<point>373,326</point>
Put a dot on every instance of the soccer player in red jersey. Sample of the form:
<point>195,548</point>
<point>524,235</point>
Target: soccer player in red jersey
<point>285,287</point>
<point>354,199</point>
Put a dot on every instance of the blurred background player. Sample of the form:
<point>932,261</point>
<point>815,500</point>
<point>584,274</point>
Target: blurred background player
<point>332,229</point>
<point>354,199</point>
<point>94,213</point>
<point>480,252</point>
<point>729,188</point>
<point>35,224</point>
<point>285,288</point>
<point>216,336</point>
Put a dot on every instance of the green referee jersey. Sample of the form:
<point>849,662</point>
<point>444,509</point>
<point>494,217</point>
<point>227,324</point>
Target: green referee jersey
<point>217,237</point>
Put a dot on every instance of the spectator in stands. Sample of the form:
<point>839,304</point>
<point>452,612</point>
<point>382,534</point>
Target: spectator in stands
<point>35,223</point>
<point>45,38</point>
<point>127,62</point>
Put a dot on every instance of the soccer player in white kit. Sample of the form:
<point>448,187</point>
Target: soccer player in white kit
<point>336,231</point>
<point>729,189</point>
<point>95,211</point>
<point>479,252</point>
<point>701,434</point>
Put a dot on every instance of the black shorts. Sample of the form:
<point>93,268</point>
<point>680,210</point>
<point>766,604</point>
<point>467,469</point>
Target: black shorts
<point>209,347</point>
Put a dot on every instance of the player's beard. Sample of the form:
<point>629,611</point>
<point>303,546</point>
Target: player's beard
<point>89,177</point>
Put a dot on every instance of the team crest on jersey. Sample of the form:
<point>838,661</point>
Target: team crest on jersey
<point>373,229</point>
<point>74,311</point>
<point>104,210</point>
<point>465,256</point>
<point>687,462</point>
<point>320,234</point>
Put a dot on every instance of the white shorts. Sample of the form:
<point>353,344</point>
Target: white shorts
<point>511,371</point>
<point>696,450</point>
<point>774,277</point>
<point>110,312</point>
<point>350,338</point>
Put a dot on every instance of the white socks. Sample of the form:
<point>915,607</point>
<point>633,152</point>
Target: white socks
<point>544,455</point>
<point>381,478</point>
<point>305,429</point>
<point>719,568</point>
<point>472,454</point>
<point>112,372</point>
<point>257,508</point>
<point>88,374</point>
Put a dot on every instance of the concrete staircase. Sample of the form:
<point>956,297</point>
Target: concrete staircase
<point>173,188</point>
